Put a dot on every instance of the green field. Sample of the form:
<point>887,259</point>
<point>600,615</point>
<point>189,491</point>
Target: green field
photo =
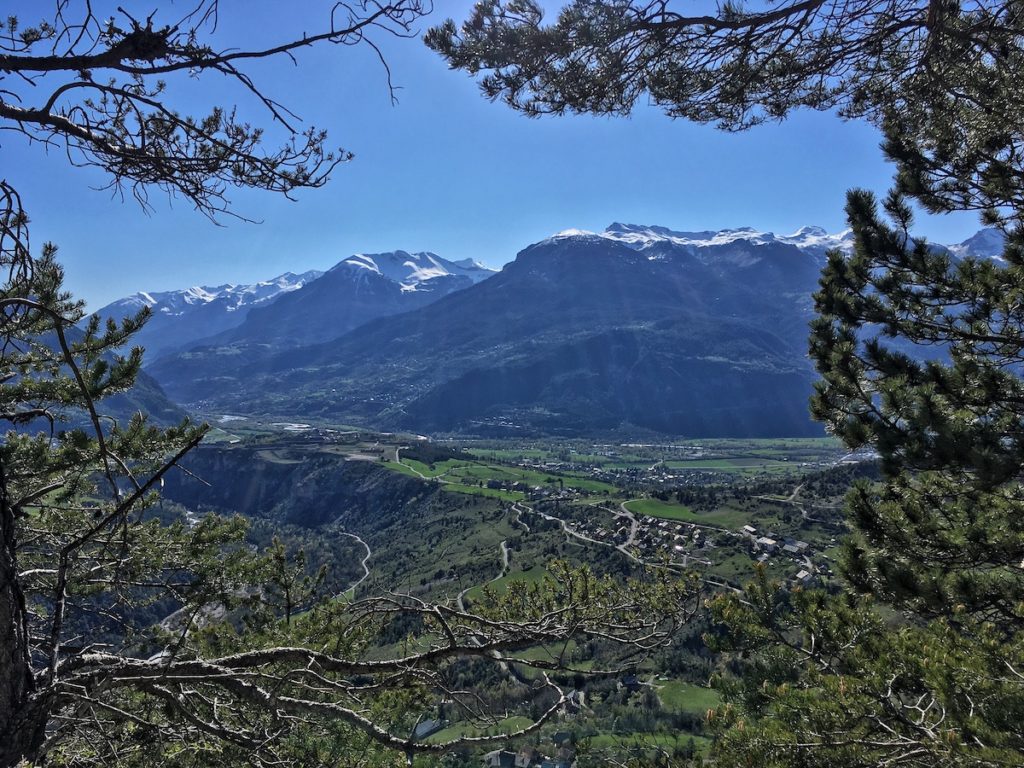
<point>401,468</point>
<point>493,493</point>
<point>680,696</point>
<point>500,586</point>
<point>720,518</point>
<point>462,476</point>
<point>663,509</point>
<point>468,729</point>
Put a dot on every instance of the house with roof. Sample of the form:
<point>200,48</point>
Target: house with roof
<point>500,758</point>
<point>426,728</point>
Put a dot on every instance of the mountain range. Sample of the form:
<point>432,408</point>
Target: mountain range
<point>180,318</point>
<point>635,327</point>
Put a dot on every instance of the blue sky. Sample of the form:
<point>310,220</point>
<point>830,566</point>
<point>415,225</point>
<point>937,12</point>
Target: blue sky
<point>443,170</point>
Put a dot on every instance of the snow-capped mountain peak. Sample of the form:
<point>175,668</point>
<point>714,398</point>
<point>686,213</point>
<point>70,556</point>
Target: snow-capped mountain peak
<point>174,303</point>
<point>986,243</point>
<point>411,270</point>
<point>202,310</point>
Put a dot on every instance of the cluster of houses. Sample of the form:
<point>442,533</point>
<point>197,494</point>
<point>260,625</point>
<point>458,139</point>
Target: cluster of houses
<point>654,538</point>
<point>533,492</point>
<point>615,532</point>
<point>657,537</point>
<point>766,546</point>
<point>564,755</point>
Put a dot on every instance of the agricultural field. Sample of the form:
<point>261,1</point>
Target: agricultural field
<point>509,482</point>
<point>681,696</point>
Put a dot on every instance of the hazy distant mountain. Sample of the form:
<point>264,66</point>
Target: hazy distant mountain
<point>985,244</point>
<point>146,396</point>
<point>353,292</point>
<point>357,289</point>
<point>181,317</point>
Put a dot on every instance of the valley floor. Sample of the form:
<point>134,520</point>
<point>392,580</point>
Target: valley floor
<point>502,511</point>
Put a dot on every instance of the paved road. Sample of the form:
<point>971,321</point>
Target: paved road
<point>519,516</point>
<point>504,560</point>
<point>791,499</point>
<point>634,524</point>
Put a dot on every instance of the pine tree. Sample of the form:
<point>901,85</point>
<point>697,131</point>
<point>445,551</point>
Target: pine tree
<point>917,660</point>
<point>941,79</point>
<point>119,639</point>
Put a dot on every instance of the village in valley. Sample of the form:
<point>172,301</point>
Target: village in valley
<point>719,508</point>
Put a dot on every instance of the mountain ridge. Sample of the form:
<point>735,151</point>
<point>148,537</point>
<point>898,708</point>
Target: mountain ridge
<point>554,336</point>
<point>180,317</point>
<point>696,333</point>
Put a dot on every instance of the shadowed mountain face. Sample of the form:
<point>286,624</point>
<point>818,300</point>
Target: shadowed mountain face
<point>581,332</point>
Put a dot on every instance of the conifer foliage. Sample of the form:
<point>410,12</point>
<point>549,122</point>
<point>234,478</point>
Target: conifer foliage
<point>131,635</point>
<point>920,357</point>
<point>918,659</point>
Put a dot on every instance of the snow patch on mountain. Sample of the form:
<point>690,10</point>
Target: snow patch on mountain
<point>233,296</point>
<point>813,240</point>
<point>411,270</point>
<point>985,244</point>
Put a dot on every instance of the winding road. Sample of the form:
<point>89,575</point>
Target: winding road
<point>398,460</point>
<point>503,546</point>
<point>791,499</point>
<point>364,563</point>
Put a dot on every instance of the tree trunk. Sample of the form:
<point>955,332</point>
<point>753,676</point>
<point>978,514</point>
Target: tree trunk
<point>21,728</point>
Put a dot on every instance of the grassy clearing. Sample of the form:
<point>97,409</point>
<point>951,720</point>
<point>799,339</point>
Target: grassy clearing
<point>509,724</point>
<point>728,517</point>
<point>401,468</point>
<point>439,469</point>
<point>680,696</point>
<point>579,482</point>
<point>724,517</point>
<point>662,509</point>
<point>500,586</point>
<point>562,651</point>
